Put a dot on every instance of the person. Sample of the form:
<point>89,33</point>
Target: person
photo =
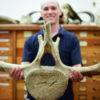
<point>69,48</point>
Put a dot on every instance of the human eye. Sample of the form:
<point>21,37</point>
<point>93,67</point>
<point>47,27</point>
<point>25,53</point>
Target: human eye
<point>45,9</point>
<point>54,8</point>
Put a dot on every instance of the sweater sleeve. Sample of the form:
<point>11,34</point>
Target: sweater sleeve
<point>76,53</point>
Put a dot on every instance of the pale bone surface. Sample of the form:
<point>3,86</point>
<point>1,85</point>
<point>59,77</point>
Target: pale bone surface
<point>48,82</point>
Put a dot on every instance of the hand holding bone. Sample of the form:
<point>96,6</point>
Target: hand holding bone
<point>45,82</point>
<point>16,73</point>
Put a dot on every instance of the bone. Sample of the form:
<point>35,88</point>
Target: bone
<point>48,82</point>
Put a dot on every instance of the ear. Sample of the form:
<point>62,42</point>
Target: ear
<point>41,14</point>
<point>60,12</point>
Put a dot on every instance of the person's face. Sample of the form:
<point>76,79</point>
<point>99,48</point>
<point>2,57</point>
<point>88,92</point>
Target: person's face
<point>50,12</point>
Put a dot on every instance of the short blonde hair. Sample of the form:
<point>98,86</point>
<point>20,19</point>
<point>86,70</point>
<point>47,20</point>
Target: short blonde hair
<point>50,1</point>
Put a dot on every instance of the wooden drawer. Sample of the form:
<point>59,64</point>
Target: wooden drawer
<point>6,85</point>
<point>89,42</point>
<point>96,79</point>
<point>5,53</point>
<point>4,79</point>
<point>20,52</point>
<point>82,97</point>
<point>6,58</point>
<point>96,96</point>
<point>20,43</point>
<point>5,42</point>
<point>94,52</point>
<point>5,34</point>
<point>96,90</point>
<point>6,92</point>
<point>19,60</point>
<point>88,34</point>
<point>90,60</point>
<point>21,90</point>
<point>81,88</point>
<point>24,34</point>
<point>21,37</point>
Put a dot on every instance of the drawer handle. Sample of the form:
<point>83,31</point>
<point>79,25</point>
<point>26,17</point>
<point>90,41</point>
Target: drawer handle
<point>96,44</point>
<point>96,88</point>
<point>96,98</point>
<point>95,52</point>
<point>95,79</point>
<point>8,79</point>
<point>96,34</point>
<point>95,61</point>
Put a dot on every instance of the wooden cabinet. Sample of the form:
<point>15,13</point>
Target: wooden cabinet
<point>12,38</point>
<point>21,91</point>
<point>89,88</point>
<point>6,87</point>
<point>6,54</point>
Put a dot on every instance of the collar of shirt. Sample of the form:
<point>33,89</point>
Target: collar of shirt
<point>60,32</point>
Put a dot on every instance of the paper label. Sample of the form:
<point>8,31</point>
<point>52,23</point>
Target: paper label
<point>83,34</point>
<point>83,43</point>
<point>4,32</point>
<point>4,40</point>
<point>4,57</point>
<point>27,33</point>
<point>84,79</point>
<point>4,84</point>
<point>4,49</point>
<point>84,61</point>
<point>4,75</point>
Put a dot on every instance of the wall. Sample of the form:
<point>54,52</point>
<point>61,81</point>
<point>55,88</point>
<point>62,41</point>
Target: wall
<point>17,8</point>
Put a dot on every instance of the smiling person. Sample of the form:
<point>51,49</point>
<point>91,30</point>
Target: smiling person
<point>69,48</point>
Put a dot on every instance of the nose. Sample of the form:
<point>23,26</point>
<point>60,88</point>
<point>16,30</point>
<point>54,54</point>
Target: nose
<point>50,11</point>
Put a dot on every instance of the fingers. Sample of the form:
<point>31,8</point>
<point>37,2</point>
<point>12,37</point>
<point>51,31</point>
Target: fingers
<point>76,76</point>
<point>16,73</point>
<point>21,76</point>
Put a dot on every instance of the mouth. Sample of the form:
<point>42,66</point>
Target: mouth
<point>50,17</point>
